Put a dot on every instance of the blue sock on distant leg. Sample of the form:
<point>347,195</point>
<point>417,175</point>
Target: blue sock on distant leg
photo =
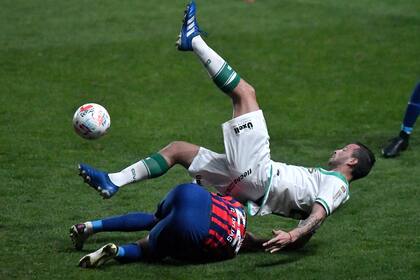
<point>135,221</point>
<point>129,253</point>
<point>411,113</point>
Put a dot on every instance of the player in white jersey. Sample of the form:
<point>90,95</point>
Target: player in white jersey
<point>246,171</point>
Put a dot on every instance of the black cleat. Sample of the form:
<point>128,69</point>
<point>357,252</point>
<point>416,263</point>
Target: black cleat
<point>78,235</point>
<point>395,146</point>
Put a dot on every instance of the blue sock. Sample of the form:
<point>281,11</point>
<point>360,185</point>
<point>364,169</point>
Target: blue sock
<point>129,253</point>
<point>412,111</point>
<point>135,221</point>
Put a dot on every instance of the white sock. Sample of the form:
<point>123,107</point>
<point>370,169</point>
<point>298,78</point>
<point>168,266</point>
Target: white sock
<point>133,173</point>
<point>89,228</point>
<point>222,74</point>
<point>210,59</point>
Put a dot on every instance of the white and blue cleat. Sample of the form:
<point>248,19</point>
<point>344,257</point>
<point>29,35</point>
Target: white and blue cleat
<point>189,29</point>
<point>100,256</point>
<point>98,180</point>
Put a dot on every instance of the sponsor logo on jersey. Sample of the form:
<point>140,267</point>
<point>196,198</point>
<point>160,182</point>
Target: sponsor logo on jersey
<point>242,176</point>
<point>238,223</point>
<point>242,127</point>
<point>337,195</point>
<point>232,185</point>
<point>339,192</point>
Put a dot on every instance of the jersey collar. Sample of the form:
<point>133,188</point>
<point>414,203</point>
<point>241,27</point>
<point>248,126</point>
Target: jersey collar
<point>334,173</point>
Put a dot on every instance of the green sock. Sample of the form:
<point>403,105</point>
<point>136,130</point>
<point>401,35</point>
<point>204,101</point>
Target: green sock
<point>156,165</point>
<point>151,167</point>
<point>226,79</point>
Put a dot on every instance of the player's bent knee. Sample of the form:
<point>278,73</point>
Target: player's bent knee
<point>244,99</point>
<point>180,152</point>
<point>244,91</point>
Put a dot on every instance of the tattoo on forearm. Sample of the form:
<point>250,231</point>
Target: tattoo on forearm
<point>309,225</point>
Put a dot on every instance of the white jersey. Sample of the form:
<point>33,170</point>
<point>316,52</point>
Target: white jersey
<point>246,172</point>
<point>292,191</point>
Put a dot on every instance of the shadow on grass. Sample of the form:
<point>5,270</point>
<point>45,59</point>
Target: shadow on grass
<point>269,260</point>
<point>286,257</point>
<point>94,243</point>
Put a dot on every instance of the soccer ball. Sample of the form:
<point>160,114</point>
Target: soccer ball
<point>91,121</point>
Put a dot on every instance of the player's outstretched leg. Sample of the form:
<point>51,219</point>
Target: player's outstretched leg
<point>155,165</point>
<point>108,184</point>
<point>225,77</point>
<point>135,221</point>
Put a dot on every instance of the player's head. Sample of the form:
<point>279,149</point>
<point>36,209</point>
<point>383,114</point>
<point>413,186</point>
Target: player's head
<point>356,156</point>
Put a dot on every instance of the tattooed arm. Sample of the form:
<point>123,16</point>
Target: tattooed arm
<point>302,232</point>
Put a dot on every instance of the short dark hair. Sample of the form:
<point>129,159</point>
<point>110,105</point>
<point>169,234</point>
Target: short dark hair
<point>365,161</point>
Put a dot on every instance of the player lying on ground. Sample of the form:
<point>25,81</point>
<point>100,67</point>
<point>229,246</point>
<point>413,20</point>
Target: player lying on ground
<point>246,171</point>
<point>190,224</point>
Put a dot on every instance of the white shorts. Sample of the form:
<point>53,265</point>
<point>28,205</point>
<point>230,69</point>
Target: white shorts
<point>244,170</point>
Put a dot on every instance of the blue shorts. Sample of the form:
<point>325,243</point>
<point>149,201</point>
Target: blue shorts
<point>184,222</point>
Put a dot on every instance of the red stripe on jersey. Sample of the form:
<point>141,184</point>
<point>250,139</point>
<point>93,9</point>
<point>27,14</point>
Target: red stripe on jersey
<point>227,227</point>
<point>219,238</point>
<point>221,213</point>
<point>214,240</point>
<point>233,202</point>
<point>220,203</point>
<point>220,224</point>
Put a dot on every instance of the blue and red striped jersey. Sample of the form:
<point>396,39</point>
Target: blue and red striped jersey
<point>227,227</point>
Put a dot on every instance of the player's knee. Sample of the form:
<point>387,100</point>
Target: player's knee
<point>244,91</point>
<point>250,91</point>
<point>174,147</point>
<point>244,96</point>
<point>179,152</point>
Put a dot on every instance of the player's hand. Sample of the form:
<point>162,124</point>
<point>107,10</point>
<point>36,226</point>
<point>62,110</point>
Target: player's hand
<point>280,239</point>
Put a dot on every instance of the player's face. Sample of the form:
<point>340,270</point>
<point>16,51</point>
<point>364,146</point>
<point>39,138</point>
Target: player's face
<point>342,156</point>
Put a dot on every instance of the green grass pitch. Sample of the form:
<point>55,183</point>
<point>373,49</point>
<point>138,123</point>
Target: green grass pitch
<point>326,73</point>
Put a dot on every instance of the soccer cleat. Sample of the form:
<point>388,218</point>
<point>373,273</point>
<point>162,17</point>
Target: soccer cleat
<point>99,257</point>
<point>395,146</point>
<point>189,29</point>
<point>78,235</point>
<point>98,180</point>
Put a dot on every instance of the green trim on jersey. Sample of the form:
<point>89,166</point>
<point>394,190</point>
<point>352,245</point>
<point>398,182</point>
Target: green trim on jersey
<point>324,204</point>
<point>334,173</point>
<point>267,190</point>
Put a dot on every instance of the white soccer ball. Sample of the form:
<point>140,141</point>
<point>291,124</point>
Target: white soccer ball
<point>91,121</point>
